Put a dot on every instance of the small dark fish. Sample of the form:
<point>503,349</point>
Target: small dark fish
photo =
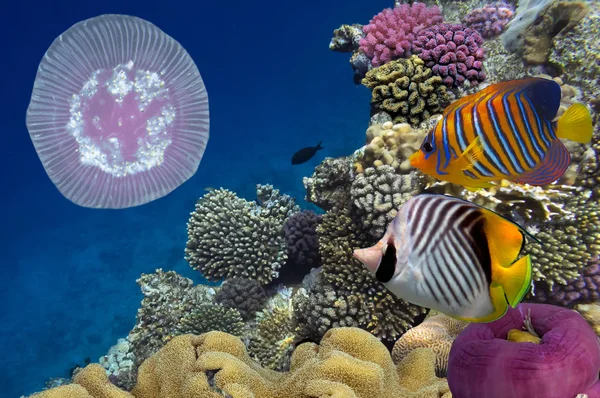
<point>305,154</point>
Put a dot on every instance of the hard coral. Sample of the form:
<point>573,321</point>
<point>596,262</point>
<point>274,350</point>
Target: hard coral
<point>376,195</point>
<point>436,333</point>
<point>302,245</point>
<point>407,90</point>
<point>390,34</point>
<point>390,144</point>
<point>453,52</point>
<point>329,185</point>
<point>245,295</point>
<point>346,38</point>
<point>491,19</point>
<point>483,363</point>
<point>231,237</point>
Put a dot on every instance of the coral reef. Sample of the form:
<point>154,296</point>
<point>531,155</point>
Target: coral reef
<point>559,18</point>
<point>348,363</point>
<point>499,64</point>
<point>526,14</point>
<point>591,313</point>
<point>171,306</point>
<point>390,144</point>
<point>247,296</point>
<point>491,19</point>
<point>231,237</point>
<point>389,35</point>
<point>346,38</point>
<point>271,339</point>
<point>583,290</point>
<point>436,333</point>
<point>453,52</point>
<point>407,90</point>
<point>376,195</point>
<point>302,245</point>
<point>565,364</point>
<point>329,185</point>
<point>119,363</point>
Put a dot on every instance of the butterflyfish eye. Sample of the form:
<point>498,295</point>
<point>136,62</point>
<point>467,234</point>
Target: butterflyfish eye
<point>427,147</point>
<point>387,266</point>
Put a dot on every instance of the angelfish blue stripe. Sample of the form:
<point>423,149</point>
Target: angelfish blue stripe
<point>540,128</point>
<point>488,151</point>
<point>508,149</point>
<point>445,142</point>
<point>517,133</point>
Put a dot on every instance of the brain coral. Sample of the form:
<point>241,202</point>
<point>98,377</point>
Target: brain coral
<point>453,52</point>
<point>491,19</point>
<point>348,363</point>
<point>436,333</point>
<point>231,237</point>
<point>407,90</point>
<point>390,34</point>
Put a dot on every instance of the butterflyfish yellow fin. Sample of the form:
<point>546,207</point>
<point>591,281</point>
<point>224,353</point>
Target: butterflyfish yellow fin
<point>471,155</point>
<point>575,124</point>
<point>498,301</point>
<point>505,238</point>
<point>514,279</point>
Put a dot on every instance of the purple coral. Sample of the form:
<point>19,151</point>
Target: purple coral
<point>453,52</point>
<point>389,35</point>
<point>302,241</point>
<point>491,19</point>
<point>483,363</point>
<point>585,289</point>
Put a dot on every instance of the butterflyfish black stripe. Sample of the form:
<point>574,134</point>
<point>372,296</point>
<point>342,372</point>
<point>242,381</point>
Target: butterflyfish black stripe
<point>387,266</point>
<point>470,271</point>
<point>435,277</point>
<point>456,269</point>
<point>481,249</point>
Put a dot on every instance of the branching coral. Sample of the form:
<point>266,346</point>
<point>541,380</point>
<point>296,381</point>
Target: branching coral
<point>329,185</point>
<point>172,306</point>
<point>453,52</point>
<point>390,34</point>
<point>271,339</point>
<point>491,19</point>
<point>245,295</point>
<point>302,245</point>
<point>407,90</point>
<point>348,363</point>
<point>436,333</point>
<point>231,237</point>
<point>376,195</point>
<point>390,144</point>
<point>119,363</point>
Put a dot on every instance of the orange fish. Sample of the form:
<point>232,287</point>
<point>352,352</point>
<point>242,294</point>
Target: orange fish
<point>504,132</point>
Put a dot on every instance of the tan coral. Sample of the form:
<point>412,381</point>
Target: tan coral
<point>591,313</point>
<point>436,333</point>
<point>349,363</point>
<point>390,144</point>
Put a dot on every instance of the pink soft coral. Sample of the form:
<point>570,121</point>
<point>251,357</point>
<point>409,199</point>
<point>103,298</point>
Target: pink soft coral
<point>390,34</point>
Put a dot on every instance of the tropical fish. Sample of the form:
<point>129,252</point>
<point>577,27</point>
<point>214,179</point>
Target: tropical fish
<point>504,132</point>
<point>305,154</point>
<point>453,256</point>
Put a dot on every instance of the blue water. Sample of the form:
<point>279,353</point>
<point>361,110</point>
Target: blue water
<point>67,285</point>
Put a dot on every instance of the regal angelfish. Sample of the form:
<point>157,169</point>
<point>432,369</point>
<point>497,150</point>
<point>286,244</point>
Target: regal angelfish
<point>453,256</point>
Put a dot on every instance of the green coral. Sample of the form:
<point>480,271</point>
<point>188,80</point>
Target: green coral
<point>231,237</point>
<point>272,337</point>
<point>407,90</point>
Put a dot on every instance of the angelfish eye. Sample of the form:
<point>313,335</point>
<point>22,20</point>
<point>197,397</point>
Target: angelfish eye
<point>427,147</point>
<point>387,266</point>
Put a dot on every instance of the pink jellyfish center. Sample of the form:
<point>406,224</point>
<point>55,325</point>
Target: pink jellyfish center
<point>121,120</point>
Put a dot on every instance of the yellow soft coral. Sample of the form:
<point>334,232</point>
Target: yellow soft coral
<point>349,363</point>
<point>437,333</point>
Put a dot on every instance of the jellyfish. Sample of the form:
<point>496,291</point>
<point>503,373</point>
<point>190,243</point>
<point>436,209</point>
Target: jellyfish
<point>118,114</point>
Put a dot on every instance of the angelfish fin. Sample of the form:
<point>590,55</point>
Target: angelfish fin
<point>552,167</point>
<point>471,155</point>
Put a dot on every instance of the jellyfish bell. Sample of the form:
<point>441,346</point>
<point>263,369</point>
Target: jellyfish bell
<point>118,114</point>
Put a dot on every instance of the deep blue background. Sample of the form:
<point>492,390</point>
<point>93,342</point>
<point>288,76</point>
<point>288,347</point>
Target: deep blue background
<point>68,275</point>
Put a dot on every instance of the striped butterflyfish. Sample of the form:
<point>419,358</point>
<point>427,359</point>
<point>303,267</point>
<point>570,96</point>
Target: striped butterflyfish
<point>504,132</point>
<point>453,256</point>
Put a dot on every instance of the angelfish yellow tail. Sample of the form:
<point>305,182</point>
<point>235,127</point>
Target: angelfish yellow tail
<point>575,124</point>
